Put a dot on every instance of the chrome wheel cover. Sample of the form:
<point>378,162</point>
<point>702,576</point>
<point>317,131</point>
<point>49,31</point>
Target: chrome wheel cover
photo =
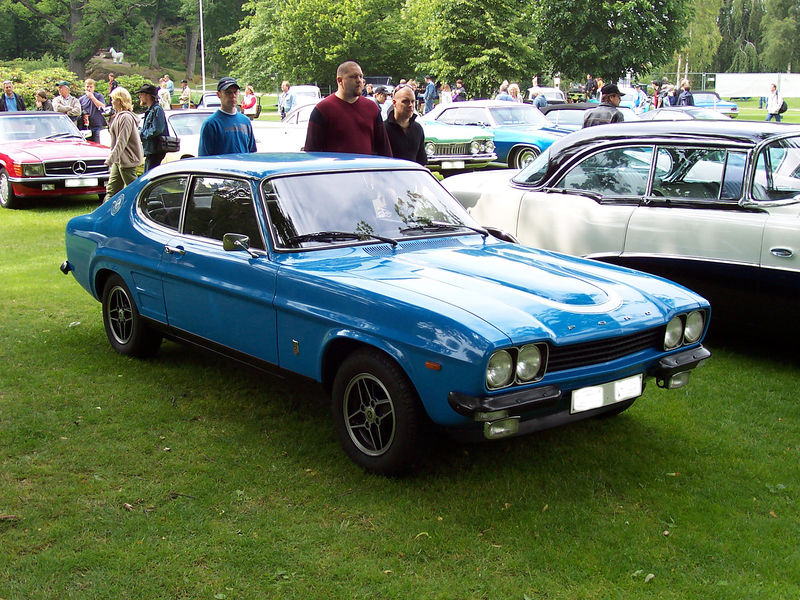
<point>369,414</point>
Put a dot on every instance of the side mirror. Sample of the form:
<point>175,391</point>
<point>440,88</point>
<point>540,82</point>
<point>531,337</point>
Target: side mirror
<point>232,242</point>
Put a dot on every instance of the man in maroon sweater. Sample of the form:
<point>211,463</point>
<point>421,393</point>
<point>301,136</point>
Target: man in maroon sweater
<point>346,121</point>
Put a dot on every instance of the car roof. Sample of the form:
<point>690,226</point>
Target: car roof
<point>747,133</point>
<point>260,165</point>
<point>568,106</point>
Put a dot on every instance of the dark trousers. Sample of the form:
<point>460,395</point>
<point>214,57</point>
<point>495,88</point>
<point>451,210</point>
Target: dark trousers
<point>152,160</point>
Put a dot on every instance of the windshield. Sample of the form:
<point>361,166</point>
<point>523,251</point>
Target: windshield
<point>189,123</point>
<point>37,126</point>
<point>398,205</point>
<point>519,115</point>
<point>535,171</point>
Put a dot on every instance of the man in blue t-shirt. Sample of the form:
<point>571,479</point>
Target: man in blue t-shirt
<point>227,131</point>
<point>11,100</point>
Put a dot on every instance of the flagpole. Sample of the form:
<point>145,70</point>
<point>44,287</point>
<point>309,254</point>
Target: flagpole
<point>202,49</point>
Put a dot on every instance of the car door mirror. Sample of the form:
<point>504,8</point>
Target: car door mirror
<point>231,242</point>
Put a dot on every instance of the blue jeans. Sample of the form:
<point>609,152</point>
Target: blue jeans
<point>776,116</point>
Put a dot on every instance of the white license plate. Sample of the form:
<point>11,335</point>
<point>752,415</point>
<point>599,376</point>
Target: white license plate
<point>452,164</point>
<point>83,182</point>
<point>589,398</point>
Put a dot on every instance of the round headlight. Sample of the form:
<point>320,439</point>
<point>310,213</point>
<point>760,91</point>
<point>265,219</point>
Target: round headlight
<point>674,333</point>
<point>695,323</point>
<point>500,370</point>
<point>490,146</point>
<point>475,147</point>
<point>430,148</point>
<point>529,362</point>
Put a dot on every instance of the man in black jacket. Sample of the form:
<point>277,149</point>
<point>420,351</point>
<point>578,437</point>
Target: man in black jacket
<point>11,100</point>
<point>406,136</point>
<point>606,112</point>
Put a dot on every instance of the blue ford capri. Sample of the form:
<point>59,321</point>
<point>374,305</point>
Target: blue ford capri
<point>364,274</point>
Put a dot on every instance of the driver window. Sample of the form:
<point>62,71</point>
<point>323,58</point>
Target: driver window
<point>218,206</point>
<point>612,172</point>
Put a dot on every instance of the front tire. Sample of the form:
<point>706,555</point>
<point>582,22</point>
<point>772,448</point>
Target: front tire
<point>524,156</point>
<point>8,199</point>
<point>377,413</point>
<point>126,330</point>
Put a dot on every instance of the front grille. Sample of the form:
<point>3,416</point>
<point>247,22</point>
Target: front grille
<point>592,353</point>
<point>75,167</point>
<point>451,149</point>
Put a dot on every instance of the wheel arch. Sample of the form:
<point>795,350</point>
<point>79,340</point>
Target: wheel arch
<point>338,349</point>
<point>520,147</point>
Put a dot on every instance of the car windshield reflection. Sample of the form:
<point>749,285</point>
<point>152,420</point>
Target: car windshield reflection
<point>322,209</point>
<point>37,126</point>
<point>518,115</point>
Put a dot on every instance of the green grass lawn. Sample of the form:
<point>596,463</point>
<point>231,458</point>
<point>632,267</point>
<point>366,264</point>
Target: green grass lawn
<point>187,476</point>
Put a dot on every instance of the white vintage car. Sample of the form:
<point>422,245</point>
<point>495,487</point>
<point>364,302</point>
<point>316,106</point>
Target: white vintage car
<point>714,205</point>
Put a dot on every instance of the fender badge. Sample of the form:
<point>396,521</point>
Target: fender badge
<point>117,204</point>
<point>295,347</point>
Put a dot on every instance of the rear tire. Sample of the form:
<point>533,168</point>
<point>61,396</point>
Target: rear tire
<point>126,330</point>
<point>377,413</point>
<point>8,199</point>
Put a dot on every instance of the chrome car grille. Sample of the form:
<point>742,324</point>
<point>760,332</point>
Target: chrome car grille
<point>61,168</point>
<point>451,149</point>
<point>592,353</point>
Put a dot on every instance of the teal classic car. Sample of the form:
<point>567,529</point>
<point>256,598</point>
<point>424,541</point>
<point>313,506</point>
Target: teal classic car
<point>365,275</point>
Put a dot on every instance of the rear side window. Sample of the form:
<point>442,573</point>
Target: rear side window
<point>162,202</point>
<point>777,175</point>
<point>612,172</point>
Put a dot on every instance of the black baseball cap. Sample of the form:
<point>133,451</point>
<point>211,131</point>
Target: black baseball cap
<point>225,83</point>
<point>610,88</point>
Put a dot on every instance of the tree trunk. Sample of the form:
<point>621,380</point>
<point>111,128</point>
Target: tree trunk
<point>191,50</point>
<point>76,64</point>
<point>154,39</point>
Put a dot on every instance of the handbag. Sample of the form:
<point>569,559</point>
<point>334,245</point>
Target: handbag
<point>783,108</point>
<point>167,143</point>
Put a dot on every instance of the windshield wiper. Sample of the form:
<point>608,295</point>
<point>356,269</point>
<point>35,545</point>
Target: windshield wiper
<point>335,236</point>
<point>58,135</point>
<point>440,226</point>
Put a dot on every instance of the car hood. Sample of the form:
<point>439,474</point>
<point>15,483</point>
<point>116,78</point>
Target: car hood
<point>41,150</point>
<point>522,292</point>
<point>445,133</point>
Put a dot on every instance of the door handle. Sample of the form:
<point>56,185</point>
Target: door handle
<point>174,250</point>
<point>782,252</point>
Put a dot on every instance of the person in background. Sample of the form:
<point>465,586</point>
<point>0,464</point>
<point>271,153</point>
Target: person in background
<point>285,100</point>
<point>368,92</point>
<point>606,112</point>
<point>11,100</point>
<point>430,93</point>
<point>170,84</point>
<point>112,85</point>
<point>513,91</point>
<point>381,98</point>
<point>685,98</point>
<point>249,101</point>
<point>186,94</point>
<point>126,146</point>
<point>42,101</point>
<point>640,102</point>
<point>227,131</point>
<point>66,103</point>
<point>503,94</point>
<point>445,94</point>
<point>92,105</point>
<point>459,93</point>
<point>345,121</point>
<point>154,125</point>
<point>164,97</point>
<point>774,101</point>
<point>591,87</point>
<point>406,136</point>
<point>600,84</point>
<point>539,99</point>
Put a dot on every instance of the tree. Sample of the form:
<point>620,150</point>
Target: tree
<point>739,24</point>
<point>780,26</point>
<point>704,35</point>
<point>482,42</point>
<point>611,38</point>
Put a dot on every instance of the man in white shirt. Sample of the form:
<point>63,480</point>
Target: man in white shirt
<point>774,102</point>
